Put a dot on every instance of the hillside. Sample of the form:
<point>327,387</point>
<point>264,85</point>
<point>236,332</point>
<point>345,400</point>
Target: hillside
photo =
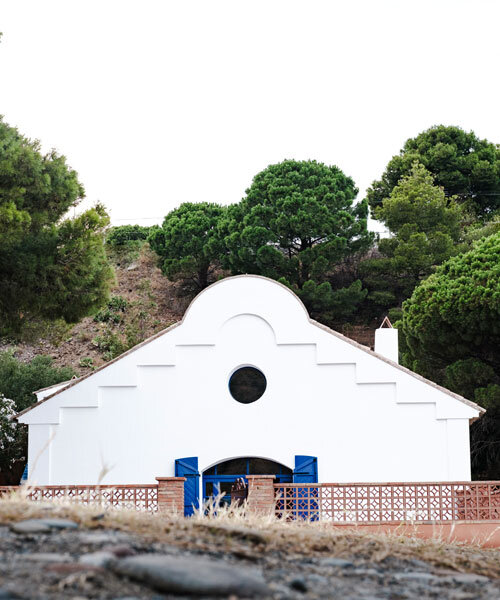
<point>143,302</point>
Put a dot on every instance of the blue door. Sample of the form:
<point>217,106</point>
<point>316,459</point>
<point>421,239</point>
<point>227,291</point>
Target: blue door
<point>188,468</point>
<point>305,504</point>
<point>306,469</point>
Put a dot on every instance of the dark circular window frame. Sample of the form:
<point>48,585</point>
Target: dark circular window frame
<point>247,384</point>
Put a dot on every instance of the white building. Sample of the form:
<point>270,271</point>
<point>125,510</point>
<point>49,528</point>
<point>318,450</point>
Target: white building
<point>248,377</point>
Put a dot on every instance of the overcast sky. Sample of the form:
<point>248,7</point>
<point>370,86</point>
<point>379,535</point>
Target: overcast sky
<point>155,103</point>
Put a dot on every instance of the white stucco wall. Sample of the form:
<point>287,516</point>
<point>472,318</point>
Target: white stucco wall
<point>365,419</point>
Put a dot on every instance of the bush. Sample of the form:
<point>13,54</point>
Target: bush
<point>122,235</point>
<point>18,381</point>
<point>111,313</point>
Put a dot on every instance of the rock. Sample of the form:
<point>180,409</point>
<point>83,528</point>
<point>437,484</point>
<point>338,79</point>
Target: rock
<point>120,550</point>
<point>30,526</point>
<point>97,559</point>
<point>192,575</point>
<point>464,578</point>
<point>42,525</point>
<point>416,577</point>
<point>317,579</point>
<point>60,523</point>
<point>47,557</point>
<point>70,568</point>
<point>103,537</point>
<point>299,584</point>
<point>336,562</point>
<point>132,267</point>
<point>7,594</point>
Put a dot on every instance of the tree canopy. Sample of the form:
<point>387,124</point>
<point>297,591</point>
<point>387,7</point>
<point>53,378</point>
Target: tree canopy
<point>425,226</point>
<point>451,329</point>
<point>297,219</point>
<point>189,242</point>
<point>49,268</point>
<point>454,316</point>
<point>464,165</point>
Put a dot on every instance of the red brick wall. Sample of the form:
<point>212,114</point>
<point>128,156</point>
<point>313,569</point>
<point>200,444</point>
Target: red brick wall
<point>261,493</point>
<point>171,494</point>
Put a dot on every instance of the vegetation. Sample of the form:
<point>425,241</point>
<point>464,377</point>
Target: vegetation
<point>189,243</point>
<point>451,328</point>
<point>425,227</point>
<point>49,269</point>
<point>461,163</point>
<point>124,235</point>
<point>18,381</point>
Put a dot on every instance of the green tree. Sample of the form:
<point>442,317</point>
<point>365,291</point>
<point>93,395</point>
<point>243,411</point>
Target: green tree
<point>189,243</point>
<point>48,269</point>
<point>18,381</point>
<point>451,329</point>
<point>296,222</point>
<point>464,165</point>
<point>425,227</point>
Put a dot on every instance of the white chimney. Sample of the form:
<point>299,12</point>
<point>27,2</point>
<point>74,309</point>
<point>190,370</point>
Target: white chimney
<point>386,341</point>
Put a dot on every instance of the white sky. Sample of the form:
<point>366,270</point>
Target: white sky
<point>155,103</point>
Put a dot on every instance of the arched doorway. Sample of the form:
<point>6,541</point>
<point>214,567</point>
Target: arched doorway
<point>220,478</point>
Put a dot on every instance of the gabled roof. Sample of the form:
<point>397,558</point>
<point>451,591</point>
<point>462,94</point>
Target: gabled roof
<point>336,334</point>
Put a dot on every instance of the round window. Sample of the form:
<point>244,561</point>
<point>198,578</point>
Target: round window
<point>247,384</point>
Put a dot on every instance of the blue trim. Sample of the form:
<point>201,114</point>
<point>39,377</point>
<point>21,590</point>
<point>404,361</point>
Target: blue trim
<point>188,468</point>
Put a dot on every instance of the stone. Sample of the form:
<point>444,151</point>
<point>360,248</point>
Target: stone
<point>97,559</point>
<point>464,578</point>
<point>192,575</point>
<point>42,525</point>
<point>299,584</point>
<point>46,557</point>
<point>70,568</point>
<point>120,550</point>
<point>417,577</point>
<point>103,537</point>
<point>60,523</point>
<point>341,563</point>
<point>30,526</point>
<point>8,594</point>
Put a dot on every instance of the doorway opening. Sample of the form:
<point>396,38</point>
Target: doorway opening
<point>220,478</point>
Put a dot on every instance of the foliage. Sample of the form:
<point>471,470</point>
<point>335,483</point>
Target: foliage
<point>18,381</point>
<point>464,165</point>
<point>426,228</point>
<point>455,313</point>
<point>48,269</point>
<point>297,221</point>
<point>330,305</point>
<point>110,343</point>
<point>451,328</point>
<point>7,426</point>
<point>189,242</point>
<point>87,362</point>
<point>123,234</point>
<point>112,312</point>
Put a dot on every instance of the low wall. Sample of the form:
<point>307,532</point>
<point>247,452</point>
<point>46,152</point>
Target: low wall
<point>482,533</point>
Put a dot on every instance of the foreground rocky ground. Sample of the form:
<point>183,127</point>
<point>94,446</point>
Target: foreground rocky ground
<point>52,552</point>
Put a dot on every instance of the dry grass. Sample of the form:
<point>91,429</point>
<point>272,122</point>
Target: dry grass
<point>234,531</point>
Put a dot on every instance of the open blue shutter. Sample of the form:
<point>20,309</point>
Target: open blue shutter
<point>306,469</point>
<point>188,468</point>
<point>305,503</point>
